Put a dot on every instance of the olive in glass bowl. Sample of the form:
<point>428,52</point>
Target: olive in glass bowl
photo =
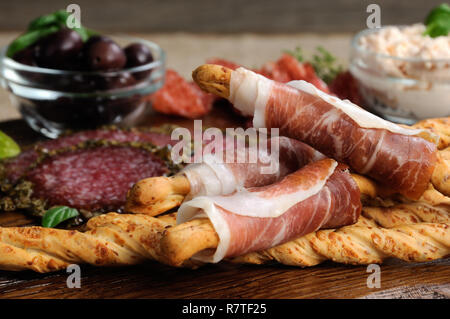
<point>96,87</point>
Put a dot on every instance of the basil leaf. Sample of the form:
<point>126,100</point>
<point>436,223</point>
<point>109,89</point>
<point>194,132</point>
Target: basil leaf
<point>57,18</point>
<point>43,26</point>
<point>57,215</point>
<point>8,148</point>
<point>438,13</point>
<point>438,21</point>
<point>27,39</point>
<point>438,29</point>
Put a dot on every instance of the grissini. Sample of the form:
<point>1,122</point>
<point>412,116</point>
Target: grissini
<point>119,239</point>
<point>441,174</point>
<point>440,127</point>
<point>411,232</point>
<point>111,240</point>
<point>399,157</point>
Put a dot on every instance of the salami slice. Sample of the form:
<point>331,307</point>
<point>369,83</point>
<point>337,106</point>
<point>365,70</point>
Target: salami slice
<point>182,98</point>
<point>16,167</point>
<point>94,179</point>
<point>288,68</point>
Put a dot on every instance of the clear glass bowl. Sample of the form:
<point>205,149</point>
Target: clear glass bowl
<point>402,90</point>
<point>53,101</point>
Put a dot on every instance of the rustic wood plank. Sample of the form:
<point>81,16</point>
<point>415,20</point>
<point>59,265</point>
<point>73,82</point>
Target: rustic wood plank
<point>224,280</point>
<point>415,292</point>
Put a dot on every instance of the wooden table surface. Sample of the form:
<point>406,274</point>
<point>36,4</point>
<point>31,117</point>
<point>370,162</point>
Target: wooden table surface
<point>152,280</point>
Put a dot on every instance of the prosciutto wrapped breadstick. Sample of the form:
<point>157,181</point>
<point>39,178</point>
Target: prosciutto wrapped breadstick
<point>155,195</point>
<point>319,195</point>
<point>215,176</point>
<point>401,158</point>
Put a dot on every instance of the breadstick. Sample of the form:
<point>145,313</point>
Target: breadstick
<point>111,240</point>
<point>439,126</point>
<point>441,174</point>
<point>214,79</point>
<point>118,239</point>
<point>155,195</point>
<point>302,252</point>
<point>364,242</point>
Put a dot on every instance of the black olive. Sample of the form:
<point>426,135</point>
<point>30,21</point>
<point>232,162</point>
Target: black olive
<point>138,54</point>
<point>25,56</point>
<point>103,54</point>
<point>116,82</point>
<point>96,38</point>
<point>59,50</point>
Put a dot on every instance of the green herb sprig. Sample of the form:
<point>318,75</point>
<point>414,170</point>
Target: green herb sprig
<point>438,21</point>
<point>57,215</point>
<point>324,63</point>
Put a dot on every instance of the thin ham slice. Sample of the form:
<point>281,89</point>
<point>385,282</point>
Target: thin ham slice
<point>216,176</point>
<point>319,195</point>
<point>399,157</point>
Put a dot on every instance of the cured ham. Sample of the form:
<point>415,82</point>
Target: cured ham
<point>216,176</point>
<point>401,158</point>
<point>220,174</point>
<point>319,195</point>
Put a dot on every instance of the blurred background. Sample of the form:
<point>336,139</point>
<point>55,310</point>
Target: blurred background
<point>205,16</point>
<point>249,32</point>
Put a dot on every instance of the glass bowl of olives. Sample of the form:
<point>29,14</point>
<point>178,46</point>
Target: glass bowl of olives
<point>63,83</point>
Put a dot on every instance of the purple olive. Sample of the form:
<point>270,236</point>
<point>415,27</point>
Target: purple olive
<point>25,56</point>
<point>103,54</point>
<point>96,38</point>
<point>59,50</point>
<point>137,54</point>
<point>117,81</point>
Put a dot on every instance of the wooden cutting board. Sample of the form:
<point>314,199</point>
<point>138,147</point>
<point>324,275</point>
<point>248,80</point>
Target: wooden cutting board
<point>224,280</point>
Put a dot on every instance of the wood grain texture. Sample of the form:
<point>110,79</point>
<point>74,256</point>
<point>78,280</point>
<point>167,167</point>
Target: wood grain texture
<point>221,16</point>
<point>414,292</point>
<point>222,281</point>
<point>225,280</point>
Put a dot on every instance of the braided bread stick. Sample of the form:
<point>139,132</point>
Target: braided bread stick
<point>426,238</point>
<point>419,232</point>
<point>439,126</point>
<point>441,174</point>
<point>111,239</point>
<point>116,239</point>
